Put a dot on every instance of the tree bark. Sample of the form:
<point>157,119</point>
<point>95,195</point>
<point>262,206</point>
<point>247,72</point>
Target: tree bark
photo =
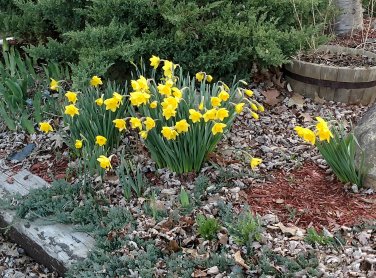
<point>350,16</point>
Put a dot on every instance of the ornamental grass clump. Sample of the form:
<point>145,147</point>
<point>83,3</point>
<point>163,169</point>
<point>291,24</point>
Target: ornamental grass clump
<point>338,147</point>
<point>181,119</point>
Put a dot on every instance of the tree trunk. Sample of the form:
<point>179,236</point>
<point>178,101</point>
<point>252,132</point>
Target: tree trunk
<point>350,16</point>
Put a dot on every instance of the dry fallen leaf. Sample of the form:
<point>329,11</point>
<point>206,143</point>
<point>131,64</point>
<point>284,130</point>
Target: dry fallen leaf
<point>199,273</point>
<point>296,100</point>
<point>271,97</point>
<point>306,117</point>
<point>319,100</point>
<point>289,230</point>
<point>173,246</point>
<point>239,260</point>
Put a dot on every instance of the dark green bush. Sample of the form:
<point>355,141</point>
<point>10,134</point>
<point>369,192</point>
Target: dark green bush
<point>220,37</point>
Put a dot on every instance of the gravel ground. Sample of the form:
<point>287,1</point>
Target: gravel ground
<point>14,263</point>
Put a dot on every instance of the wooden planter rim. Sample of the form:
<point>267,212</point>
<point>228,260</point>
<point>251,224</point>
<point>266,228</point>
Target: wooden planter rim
<point>334,84</point>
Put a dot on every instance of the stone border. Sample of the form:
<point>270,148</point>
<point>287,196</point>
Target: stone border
<point>57,246</point>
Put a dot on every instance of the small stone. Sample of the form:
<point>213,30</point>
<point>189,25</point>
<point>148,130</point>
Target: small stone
<point>169,191</point>
<point>235,190</point>
<point>269,219</point>
<point>213,270</point>
<point>354,188</point>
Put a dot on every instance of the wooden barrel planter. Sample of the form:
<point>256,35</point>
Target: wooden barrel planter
<point>341,84</point>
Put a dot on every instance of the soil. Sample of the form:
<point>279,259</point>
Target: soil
<point>360,39</point>
<point>307,197</point>
<point>337,59</point>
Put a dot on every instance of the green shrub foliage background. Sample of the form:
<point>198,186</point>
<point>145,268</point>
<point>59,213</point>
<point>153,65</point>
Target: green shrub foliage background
<point>220,37</point>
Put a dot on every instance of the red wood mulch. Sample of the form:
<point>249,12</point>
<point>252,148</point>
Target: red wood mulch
<point>56,171</point>
<point>306,197</point>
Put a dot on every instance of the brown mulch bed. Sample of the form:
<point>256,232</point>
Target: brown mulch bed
<point>306,197</point>
<point>55,171</point>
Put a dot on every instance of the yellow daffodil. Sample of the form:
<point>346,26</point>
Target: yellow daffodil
<point>181,126</point>
<point>209,78</point>
<point>168,68</point>
<point>135,123</point>
<point>200,76</point>
<point>260,108</point>
<point>169,112</point>
<point>99,101</point>
<point>71,96</point>
<point>104,162</point>
<point>153,104</point>
<point>194,116</point>
<point>239,107</point>
<point>201,105</point>
<point>170,102</point>
<point>138,98</point>
<point>78,144</point>
<point>323,130</point>
<point>71,110</point>
<point>222,113</point>
<point>154,61</point>
<point>255,162</point>
<point>169,133</point>
<point>248,93</point>
<point>100,140</point>
<point>54,85</point>
<point>325,135</point>
<point>143,134</point>
<point>215,101</point>
<point>45,127</point>
<point>111,104</point>
<point>95,81</point>
<point>255,115</point>
<point>253,107</point>
<point>149,123</point>
<point>305,133</point>
<point>322,124</point>
<point>118,97</point>
<point>210,115</point>
<point>176,92</point>
<point>224,96</point>
<point>120,124</point>
<point>164,89</point>
<point>300,131</point>
<point>140,84</point>
<point>218,128</point>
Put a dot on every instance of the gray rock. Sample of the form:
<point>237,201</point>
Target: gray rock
<point>365,132</point>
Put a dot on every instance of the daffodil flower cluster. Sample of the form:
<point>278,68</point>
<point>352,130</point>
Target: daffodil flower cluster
<point>322,131</point>
<point>188,115</point>
<point>94,117</point>
<point>179,119</point>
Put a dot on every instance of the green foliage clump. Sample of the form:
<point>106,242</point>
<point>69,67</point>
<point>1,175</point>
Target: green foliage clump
<point>314,237</point>
<point>132,179</point>
<point>207,227</point>
<point>23,97</point>
<point>340,154</point>
<point>63,203</point>
<point>220,37</point>
<point>245,228</point>
<point>277,265</point>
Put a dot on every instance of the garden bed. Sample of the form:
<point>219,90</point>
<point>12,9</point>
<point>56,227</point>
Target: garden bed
<point>224,177</point>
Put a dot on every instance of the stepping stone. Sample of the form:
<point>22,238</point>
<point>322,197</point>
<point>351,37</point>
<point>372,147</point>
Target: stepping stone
<point>56,246</point>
